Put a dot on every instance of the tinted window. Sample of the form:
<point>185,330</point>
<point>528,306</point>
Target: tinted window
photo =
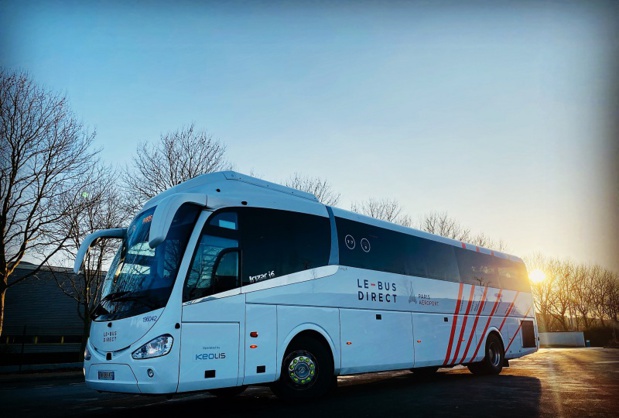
<point>439,258</point>
<point>528,334</point>
<point>370,247</point>
<point>141,278</point>
<point>226,220</point>
<point>477,268</point>
<point>374,248</point>
<point>226,268</point>
<point>275,242</point>
<point>513,275</point>
<point>201,280</point>
<point>488,270</point>
<point>365,246</point>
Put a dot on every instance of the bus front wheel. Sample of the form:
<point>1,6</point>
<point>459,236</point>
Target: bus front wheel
<point>494,358</point>
<point>307,371</point>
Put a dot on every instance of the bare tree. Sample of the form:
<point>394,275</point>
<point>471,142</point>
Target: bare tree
<point>574,296</point>
<point>179,156</point>
<point>554,297</point>
<point>582,292</point>
<point>597,298</point>
<point>386,209</point>
<point>482,240</point>
<point>45,156</point>
<point>316,186</point>
<point>98,208</point>
<point>542,291</point>
<point>440,223</point>
<point>611,299</point>
<point>561,307</point>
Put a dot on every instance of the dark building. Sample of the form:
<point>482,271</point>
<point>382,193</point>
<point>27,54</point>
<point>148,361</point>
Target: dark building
<point>41,323</point>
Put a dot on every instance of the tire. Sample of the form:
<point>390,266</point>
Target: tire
<point>307,371</point>
<point>228,392</point>
<point>493,359</point>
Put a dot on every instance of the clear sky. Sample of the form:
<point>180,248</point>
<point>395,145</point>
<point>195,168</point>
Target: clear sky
<point>501,113</point>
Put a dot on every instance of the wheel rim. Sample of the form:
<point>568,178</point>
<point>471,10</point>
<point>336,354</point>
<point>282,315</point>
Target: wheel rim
<point>302,369</point>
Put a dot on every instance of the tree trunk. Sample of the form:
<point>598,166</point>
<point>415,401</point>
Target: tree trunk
<point>85,334</point>
<point>3,288</point>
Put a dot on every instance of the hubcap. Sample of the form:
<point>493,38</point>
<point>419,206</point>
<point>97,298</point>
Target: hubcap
<point>302,370</point>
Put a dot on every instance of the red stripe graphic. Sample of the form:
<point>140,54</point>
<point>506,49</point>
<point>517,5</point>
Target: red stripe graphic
<point>482,304</point>
<point>518,330</point>
<point>509,310</point>
<point>494,308</point>
<point>453,325</point>
<point>466,316</point>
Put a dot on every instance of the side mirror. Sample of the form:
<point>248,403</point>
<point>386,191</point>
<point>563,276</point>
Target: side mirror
<point>90,239</point>
<point>165,212</point>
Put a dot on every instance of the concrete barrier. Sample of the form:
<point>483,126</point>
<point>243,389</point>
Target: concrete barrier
<point>561,339</point>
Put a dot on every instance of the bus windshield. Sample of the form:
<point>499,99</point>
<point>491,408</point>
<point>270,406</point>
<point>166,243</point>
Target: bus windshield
<point>140,278</point>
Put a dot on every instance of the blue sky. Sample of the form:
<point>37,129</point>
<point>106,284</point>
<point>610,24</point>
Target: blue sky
<point>498,113</point>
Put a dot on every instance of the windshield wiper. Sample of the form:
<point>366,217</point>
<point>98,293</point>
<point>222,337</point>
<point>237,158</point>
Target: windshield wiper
<point>145,300</point>
<point>100,310</point>
<point>114,296</point>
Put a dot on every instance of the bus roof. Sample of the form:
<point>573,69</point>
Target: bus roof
<point>230,188</point>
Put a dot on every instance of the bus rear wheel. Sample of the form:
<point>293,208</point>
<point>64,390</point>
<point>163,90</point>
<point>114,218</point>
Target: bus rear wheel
<point>494,358</point>
<point>307,371</point>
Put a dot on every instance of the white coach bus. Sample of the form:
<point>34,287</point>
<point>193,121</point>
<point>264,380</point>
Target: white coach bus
<point>226,281</point>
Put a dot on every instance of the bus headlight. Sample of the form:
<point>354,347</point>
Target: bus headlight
<point>156,347</point>
<point>87,355</point>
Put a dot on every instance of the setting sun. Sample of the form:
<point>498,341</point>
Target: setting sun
<point>537,276</point>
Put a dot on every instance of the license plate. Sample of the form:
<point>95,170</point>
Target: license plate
<point>105,375</point>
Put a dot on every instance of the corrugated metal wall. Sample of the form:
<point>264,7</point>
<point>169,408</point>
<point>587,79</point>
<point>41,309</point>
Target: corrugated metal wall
<point>39,319</point>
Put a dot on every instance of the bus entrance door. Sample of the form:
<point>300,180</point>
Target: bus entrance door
<point>209,356</point>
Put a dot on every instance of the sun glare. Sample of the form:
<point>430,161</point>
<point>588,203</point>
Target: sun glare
<point>537,276</point>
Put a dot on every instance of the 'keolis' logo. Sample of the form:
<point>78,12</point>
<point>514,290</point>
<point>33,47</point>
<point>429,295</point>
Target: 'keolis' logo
<point>211,356</point>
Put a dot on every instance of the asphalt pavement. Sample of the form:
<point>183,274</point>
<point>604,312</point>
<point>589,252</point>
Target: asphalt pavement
<point>566,383</point>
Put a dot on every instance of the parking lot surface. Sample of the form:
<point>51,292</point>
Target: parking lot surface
<point>581,382</point>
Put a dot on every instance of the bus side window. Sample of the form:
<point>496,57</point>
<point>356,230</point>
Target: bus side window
<point>395,252</point>
<point>278,242</point>
<point>227,220</point>
<point>478,269</point>
<point>513,276</point>
<point>200,280</point>
<point>226,275</point>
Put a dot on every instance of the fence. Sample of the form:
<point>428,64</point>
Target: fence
<point>27,345</point>
<point>561,339</point>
